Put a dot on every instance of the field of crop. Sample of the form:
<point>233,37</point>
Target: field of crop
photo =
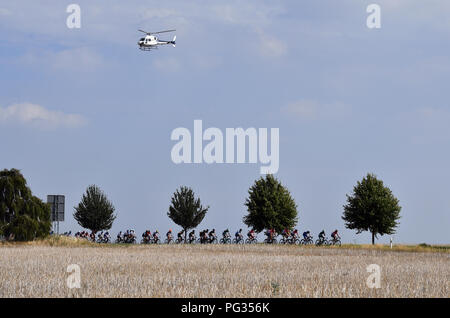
<point>219,271</point>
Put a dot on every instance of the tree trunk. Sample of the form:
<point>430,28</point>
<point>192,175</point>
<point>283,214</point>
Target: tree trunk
<point>185,230</point>
<point>373,238</point>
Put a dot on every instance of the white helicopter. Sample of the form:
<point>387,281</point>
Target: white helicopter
<point>151,41</point>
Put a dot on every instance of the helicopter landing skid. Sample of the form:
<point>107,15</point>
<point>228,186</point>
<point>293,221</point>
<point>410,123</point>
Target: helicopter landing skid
<point>143,48</point>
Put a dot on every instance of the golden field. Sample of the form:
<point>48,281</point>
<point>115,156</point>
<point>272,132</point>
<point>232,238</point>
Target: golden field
<point>39,270</point>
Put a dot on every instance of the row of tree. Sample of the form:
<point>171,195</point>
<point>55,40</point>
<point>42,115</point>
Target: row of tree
<point>371,207</point>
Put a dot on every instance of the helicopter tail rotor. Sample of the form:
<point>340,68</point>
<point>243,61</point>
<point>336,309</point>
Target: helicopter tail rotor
<point>173,41</point>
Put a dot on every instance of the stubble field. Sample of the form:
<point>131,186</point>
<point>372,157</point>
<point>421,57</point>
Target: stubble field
<point>219,271</point>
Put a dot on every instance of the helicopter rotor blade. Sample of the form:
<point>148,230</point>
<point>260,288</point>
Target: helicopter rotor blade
<point>144,31</point>
<point>163,31</point>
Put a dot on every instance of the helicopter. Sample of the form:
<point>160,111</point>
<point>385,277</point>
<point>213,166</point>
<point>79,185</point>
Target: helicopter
<point>151,41</point>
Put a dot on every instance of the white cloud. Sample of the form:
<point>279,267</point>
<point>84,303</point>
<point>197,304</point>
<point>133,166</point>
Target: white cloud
<point>38,116</point>
<point>4,12</point>
<point>427,125</point>
<point>271,46</point>
<point>77,59</point>
<point>303,108</point>
<point>74,60</point>
<point>158,13</point>
<point>311,109</point>
<point>167,64</point>
<point>256,18</point>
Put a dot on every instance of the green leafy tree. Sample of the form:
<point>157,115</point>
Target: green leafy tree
<point>22,215</point>
<point>270,205</point>
<point>186,210</point>
<point>95,212</point>
<point>372,207</point>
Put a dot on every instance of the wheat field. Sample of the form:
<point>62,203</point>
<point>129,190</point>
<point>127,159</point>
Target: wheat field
<point>219,271</point>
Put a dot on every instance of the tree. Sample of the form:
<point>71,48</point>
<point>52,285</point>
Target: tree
<point>95,212</point>
<point>186,210</point>
<point>22,215</point>
<point>270,205</point>
<point>372,207</point>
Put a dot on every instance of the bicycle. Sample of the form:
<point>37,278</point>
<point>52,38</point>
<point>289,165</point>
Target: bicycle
<point>307,241</point>
<point>288,240</point>
<point>336,242</point>
<point>168,241</point>
<point>145,240</point>
<point>322,241</point>
<point>271,241</point>
<point>251,240</point>
<point>238,240</point>
<point>225,240</point>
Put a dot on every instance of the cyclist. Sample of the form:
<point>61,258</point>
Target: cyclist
<point>335,235</point>
<point>147,235</point>
<point>270,234</point>
<point>180,236</point>
<point>226,234</point>
<point>251,235</point>
<point>307,235</point>
<point>212,235</point>
<point>131,236</point>
<point>204,236</point>
<point>286,233</point>
<point>238,235</point>
<point>322,235</point>
<point>169,235</point>
<point>156,236</point>
<point>192,236</point>
<point>294,235</point>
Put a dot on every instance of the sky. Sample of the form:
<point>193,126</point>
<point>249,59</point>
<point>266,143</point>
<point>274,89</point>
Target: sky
<point>86,106</point>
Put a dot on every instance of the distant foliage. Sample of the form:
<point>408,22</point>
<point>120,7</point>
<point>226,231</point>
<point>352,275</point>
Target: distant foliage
<point>186,210</point>
<point>372,207</point>
<point>23,216</point>
<point>270,205</point>
<point>95,212</point>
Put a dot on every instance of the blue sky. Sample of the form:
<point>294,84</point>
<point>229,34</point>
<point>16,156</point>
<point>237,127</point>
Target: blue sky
<point>85,106</point>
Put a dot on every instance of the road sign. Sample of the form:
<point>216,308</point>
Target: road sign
<point>57,203</point>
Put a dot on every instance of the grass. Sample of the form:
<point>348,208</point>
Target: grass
<point>65,241</point>
<point>401,247</point>
<point>38,269</point>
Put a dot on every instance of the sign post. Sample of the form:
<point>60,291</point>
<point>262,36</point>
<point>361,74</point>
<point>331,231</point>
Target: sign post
<point>57,203</point>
